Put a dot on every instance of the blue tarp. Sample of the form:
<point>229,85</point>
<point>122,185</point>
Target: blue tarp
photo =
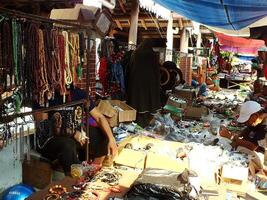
<point>227,14</point>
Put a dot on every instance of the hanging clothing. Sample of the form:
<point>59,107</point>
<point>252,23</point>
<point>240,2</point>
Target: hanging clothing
<point>117,75</point>
<point>103,72</point>
<point>143,85</point>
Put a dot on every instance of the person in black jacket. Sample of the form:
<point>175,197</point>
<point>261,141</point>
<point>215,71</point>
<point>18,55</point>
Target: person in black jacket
<point>60,137</point>
<point>253,136</point>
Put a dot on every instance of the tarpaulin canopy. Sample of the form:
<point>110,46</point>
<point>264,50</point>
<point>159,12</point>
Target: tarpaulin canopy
<point>238,41</point>
<point>239,44</point>
<point>227,14</point>
<point>240,50</point>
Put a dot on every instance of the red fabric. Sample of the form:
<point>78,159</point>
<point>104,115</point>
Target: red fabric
<point>251,51</point>
<point>232,41</point>
<point>103,72</point>
<point>265,71</point>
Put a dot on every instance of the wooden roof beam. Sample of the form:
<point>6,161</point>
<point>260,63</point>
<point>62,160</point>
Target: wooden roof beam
<point>180,22</point>
<point>156,23</point>
<point>118,24</point>
<point>126,17</point>
<point>113,32</point>
<point>122,6</point>
<point>143,24</point>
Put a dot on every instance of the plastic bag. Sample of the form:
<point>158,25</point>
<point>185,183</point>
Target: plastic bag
<point>159,184</point>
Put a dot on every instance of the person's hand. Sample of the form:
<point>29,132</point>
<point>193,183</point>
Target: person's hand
<point>244,143</point>
<point>78,136</point>
<point>225,133</point>
<point>112,147</point>
<point>235,143</point>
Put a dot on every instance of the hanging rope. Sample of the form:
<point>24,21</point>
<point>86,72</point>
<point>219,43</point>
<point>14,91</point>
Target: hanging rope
<point>55,62</point>
<point>67,71</point>
<point>61,61</point>
<point>15,49</point>
<point>20,53</point>
<point>75,59</point>
<point>2,76</point>
<point>30,38</point>
<point>7,53</point>
<point>41,81</point>
<point>82,47</point>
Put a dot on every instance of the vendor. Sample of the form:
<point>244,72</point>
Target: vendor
<point>256,67</point>
<point>253,136</point>
<point>56,142</point>
<point>197,82</point>
<point>213,82</point>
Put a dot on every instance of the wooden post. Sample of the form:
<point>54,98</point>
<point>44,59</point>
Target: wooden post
<point>199,38</point>
<point>168,54</point>
<point>184,41</point>
<point>134,23</point>
<point>87,49</point>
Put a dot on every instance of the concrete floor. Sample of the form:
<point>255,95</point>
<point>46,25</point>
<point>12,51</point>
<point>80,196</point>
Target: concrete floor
<point>10,168</point>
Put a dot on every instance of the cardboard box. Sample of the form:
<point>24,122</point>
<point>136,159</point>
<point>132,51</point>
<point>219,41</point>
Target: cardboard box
<point>188,94</point>
<point>178,104</point>
<point>80,13</point>
<point>157,161</point>
<point>234,172</point>
<point>174,110</point>
<point>36,173</point>
<point>115,116</point>
<point>195,112</point>
<point>131,158</point>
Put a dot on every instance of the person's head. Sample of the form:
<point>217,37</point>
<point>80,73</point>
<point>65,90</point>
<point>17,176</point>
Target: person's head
<point>262,54</point>
<point>194,76</point>
<point>254,64</point>
<point>215,79</point>
<point>254,61</point>
<point>214,76</point>
<point>250,113</point>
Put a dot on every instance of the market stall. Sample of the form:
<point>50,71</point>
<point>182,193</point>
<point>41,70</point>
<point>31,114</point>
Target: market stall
<point>188,147</point>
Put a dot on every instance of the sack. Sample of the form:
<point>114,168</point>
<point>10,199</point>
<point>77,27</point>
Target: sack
<point>159,184</point>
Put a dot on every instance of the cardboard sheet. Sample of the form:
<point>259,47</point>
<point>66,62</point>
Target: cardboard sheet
<point>127,179</point>
<point>162,154</point>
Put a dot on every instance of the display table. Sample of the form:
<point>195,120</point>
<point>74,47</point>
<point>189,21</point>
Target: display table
<point>128,177</point>
<point>235,81</point>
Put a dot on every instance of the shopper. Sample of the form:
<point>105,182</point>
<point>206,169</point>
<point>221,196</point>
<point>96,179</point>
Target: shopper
<point>253,136</point>
<point>198,83</point>
<point>143,84</point>
<point>57,140</point>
